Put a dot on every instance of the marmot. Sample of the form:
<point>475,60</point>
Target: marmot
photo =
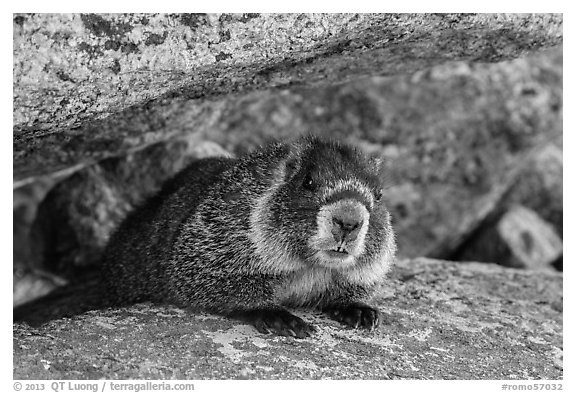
<point>295,224</point>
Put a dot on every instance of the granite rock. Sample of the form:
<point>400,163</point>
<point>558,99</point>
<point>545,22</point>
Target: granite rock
<point>72,70</point>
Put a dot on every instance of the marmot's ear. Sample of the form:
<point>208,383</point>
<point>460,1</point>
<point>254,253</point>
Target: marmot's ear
<point>292,160</point>
<point>380,166</point>
<point>376,163</point>
<point>291,167</point>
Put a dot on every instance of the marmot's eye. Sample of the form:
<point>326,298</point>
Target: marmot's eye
<point>378,195</point>
<point>308,182</point>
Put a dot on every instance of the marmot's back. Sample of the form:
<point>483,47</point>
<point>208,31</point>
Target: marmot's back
<point>137,251</point>
<point>292,224</point>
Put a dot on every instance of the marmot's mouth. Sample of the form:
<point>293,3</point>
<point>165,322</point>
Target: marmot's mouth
<point>338,253</point>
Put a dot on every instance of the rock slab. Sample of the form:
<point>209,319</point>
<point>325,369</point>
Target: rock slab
<point>441,320</point>
<point>71,70</point>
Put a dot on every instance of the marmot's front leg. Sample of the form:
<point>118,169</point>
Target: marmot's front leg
<point>345,303</point>
<point>354,314</point>
<point>248,298</point>
<point>276,320</point>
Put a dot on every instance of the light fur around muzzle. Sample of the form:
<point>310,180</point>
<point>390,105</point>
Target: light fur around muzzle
<point>324,242</point>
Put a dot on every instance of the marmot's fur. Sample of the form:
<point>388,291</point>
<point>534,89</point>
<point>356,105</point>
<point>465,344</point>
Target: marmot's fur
<point>298,224</point>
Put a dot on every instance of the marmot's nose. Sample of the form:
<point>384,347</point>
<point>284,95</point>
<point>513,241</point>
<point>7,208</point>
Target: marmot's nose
<point>345,228</point>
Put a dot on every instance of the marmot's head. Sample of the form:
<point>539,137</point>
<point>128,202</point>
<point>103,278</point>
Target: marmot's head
<point>327,210</point>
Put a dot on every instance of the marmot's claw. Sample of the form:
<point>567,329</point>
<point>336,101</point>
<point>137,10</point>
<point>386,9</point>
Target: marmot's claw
<point>355,315</point>
<point>281,322</point>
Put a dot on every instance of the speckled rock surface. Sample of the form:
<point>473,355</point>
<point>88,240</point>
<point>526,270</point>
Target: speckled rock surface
<point>71,70</point>
<point>441,320</point>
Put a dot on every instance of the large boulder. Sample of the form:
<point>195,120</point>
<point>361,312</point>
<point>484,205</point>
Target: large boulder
<point>140,71</point>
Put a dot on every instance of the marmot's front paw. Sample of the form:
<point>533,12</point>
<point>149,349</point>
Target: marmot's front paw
<point>355,315</point>
<point>279,321</point>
